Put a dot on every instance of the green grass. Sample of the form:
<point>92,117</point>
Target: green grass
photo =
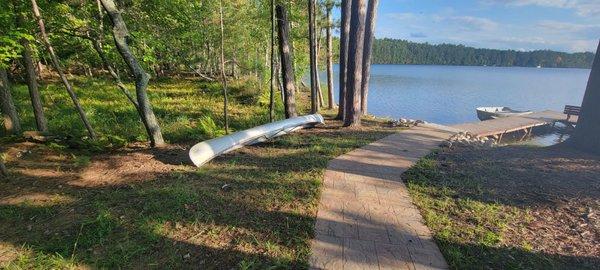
<point>187,110</point>
<point>469,225</point>
<point>173,218</point>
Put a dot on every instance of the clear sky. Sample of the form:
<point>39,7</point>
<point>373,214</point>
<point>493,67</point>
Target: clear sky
<point>564,25</point>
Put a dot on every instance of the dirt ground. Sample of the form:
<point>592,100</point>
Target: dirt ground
<point>557,186</point>
<point>138,207</point>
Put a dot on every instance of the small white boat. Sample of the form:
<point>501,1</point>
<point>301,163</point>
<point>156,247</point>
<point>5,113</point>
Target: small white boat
<point>487,113</point>
<point>207,150</point>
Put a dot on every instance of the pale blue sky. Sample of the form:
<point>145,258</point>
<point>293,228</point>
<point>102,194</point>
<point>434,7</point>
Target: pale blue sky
<point>565,25</point>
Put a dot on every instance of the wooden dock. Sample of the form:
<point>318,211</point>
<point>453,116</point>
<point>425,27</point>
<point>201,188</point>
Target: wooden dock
<point>501,126</point>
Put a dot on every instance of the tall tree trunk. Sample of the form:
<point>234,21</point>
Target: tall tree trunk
<point>121,34</point>
<point>272,80</point>
<point>278,79</point>
<point>314,102</point>
<point>318,34</point>
<point>292,48</point>
<point>369,37</point>
<point>355,63</point>
<point>225,103</point>
<point>287,63</point>
<point>11,118</point>
<point>56,64</point>
<point>588,125</point>
<point>98,48</point>
<point>34,93</point>
<point>329,59</point>
<point>344,37</point>
<point>100,21</point>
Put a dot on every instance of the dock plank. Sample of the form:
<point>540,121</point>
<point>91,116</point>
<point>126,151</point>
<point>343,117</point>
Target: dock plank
<point>514,123</point>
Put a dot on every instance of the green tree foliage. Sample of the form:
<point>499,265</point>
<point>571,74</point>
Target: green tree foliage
<point>394,51</point>
<point>10,48</point>
<point>169,37</point>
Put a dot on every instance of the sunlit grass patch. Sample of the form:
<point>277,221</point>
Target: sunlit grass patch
<point>187,109</point>
<point>250,209</point>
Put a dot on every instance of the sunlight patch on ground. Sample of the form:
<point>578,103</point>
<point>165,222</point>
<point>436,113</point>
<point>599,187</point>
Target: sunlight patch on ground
<point>37,199</point>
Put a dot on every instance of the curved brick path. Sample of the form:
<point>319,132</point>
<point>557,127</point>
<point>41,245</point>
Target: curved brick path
<point>366,218</point>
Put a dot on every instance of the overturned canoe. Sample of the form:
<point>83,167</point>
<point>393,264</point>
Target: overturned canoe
<point>207,150</point>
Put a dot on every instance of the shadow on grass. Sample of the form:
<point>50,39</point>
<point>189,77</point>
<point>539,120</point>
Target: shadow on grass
<point>469,256</point>
<point>521,175</point>
<point>513,207</point>
<point>174,216</point>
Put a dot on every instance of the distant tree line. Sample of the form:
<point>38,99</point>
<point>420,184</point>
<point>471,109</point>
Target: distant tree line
<point>395,51</point>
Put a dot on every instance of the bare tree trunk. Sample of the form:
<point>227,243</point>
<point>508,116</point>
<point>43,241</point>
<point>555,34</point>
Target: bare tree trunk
<point>318,32</point>
<point>369,36</point>
<point>97,45</point>
<point>329,59</point>
<point>121,34</point>
<point>319,90</point>
<point>314,102</point>
<point>100,21</point>
<point>34,93</point>
<point>588,125</point>
<point>344,37</point>
<point>209,66</point>
<point>98,48</point>
<point>272,81</point>
<point>278,79</point>
<point>56,64</point>
<point>355,63</point>
<point>292,50</point>
<point>225,115</point>
<point>11,118</point>
<point>287,63</point>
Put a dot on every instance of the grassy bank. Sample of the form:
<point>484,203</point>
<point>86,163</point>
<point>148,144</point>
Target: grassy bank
<point>187,110</point>
<point>511,207</point>
<point>134,207</point>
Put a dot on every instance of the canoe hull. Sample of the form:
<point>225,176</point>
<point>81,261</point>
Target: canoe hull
<point>207,150</point>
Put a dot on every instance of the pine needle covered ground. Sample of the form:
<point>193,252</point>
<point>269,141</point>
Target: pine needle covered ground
<point>513,207</point>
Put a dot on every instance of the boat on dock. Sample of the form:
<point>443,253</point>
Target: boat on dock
<point>500,126</point>
<point>488,113</point>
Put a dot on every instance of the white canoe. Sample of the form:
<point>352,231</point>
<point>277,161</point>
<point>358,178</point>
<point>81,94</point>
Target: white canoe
<point>207,150</point>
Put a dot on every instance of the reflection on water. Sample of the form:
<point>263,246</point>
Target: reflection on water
<point>450,94</point>
<point>540,136</point>
<point>546,136</point>
<point>547,139</point>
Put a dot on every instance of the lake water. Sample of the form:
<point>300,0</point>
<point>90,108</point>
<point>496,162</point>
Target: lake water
<point>450,94</point>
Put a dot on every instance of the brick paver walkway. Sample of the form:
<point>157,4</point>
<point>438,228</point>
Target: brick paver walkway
<point>366,218</point>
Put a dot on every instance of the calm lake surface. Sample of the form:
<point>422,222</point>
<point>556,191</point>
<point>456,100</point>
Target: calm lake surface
<point>450,94</point>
